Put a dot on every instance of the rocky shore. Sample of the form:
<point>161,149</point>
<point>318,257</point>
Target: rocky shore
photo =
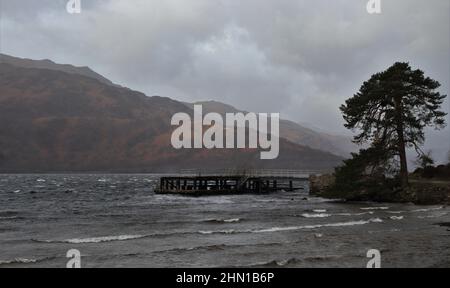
<point>420,192</point>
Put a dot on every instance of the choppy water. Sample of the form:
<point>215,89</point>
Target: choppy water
<point>117,221</point>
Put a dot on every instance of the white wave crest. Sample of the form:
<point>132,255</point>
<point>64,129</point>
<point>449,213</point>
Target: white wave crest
<point>221,232</point>
<point>97,239</point>
<point>428,209</point>
<point>342,224</point>
<point>325,215</point>
<point>355,214</point>
<point>18,261</point>
<point>374,208</point>
<point>232,220</point>
<point>320,211</point>
<point>318,215</point>
<point>215,220</point>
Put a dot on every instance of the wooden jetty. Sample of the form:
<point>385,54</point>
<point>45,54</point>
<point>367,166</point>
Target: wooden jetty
<point>227,183</point>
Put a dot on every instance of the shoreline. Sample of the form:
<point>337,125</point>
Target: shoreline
<point>421,192</point>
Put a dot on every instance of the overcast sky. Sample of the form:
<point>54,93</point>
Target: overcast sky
<point>296,57</point>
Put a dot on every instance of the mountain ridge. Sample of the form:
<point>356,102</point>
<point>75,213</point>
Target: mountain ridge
<point>289,130</point>
<point>55,121</point>
<point>50,65</point>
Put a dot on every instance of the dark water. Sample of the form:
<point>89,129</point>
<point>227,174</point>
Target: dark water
<point>117,221</point>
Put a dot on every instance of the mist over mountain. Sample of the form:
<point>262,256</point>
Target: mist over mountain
<point>60,118</point>
<point>296,133</point>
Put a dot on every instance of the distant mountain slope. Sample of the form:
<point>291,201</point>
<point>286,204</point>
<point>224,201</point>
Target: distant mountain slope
<point>54,121</point>
<point>338,145</point>
<point>48,64</point>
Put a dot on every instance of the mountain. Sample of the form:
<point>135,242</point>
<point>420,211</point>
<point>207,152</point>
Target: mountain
<point>50,65</point>
<point>58,121</point>
<point>296,133</point>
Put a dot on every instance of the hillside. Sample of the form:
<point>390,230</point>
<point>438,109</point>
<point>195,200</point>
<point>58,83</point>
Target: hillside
<point>55,121</point>
<point>296,133</point>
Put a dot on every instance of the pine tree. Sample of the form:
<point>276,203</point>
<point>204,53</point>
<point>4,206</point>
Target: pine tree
<point>393,108</point>
<point>425,160</point>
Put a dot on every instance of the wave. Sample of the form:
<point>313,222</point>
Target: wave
<point>435,215</point>
<point>374,208</point>
<point>355,214</point>
<point>318,215</point>
<point>103,239</point>
<point>11,218</point>
<point>290,262</point>
<point>341,224</point>
<point>8,213</point>
<point>181,199</point>
<point>397,217</point>
<point>25,261</point>
<point>214,247</point>
<point>423,210</point>
<point>207,232</point>
<point>234,220</point>
<point>325,215</point>
<point>96,239</point>
<point>231,231</point>
<point>18,261</point>
<point>198,248</point>
<point>427,210</point>
<point>209,248</point>
<point>293,228</point>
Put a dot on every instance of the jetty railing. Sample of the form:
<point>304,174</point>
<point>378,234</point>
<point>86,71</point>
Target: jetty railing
<point>278,173</point>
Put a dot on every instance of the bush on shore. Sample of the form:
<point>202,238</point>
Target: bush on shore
<point>364,177</point>
<point>441,172</point>
<point>353,182</point>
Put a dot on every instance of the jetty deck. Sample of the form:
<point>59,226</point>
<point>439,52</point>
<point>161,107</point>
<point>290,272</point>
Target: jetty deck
<point>230,183</point>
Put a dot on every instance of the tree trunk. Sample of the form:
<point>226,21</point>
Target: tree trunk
<point>403,161</point>
<point>404,174</point>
